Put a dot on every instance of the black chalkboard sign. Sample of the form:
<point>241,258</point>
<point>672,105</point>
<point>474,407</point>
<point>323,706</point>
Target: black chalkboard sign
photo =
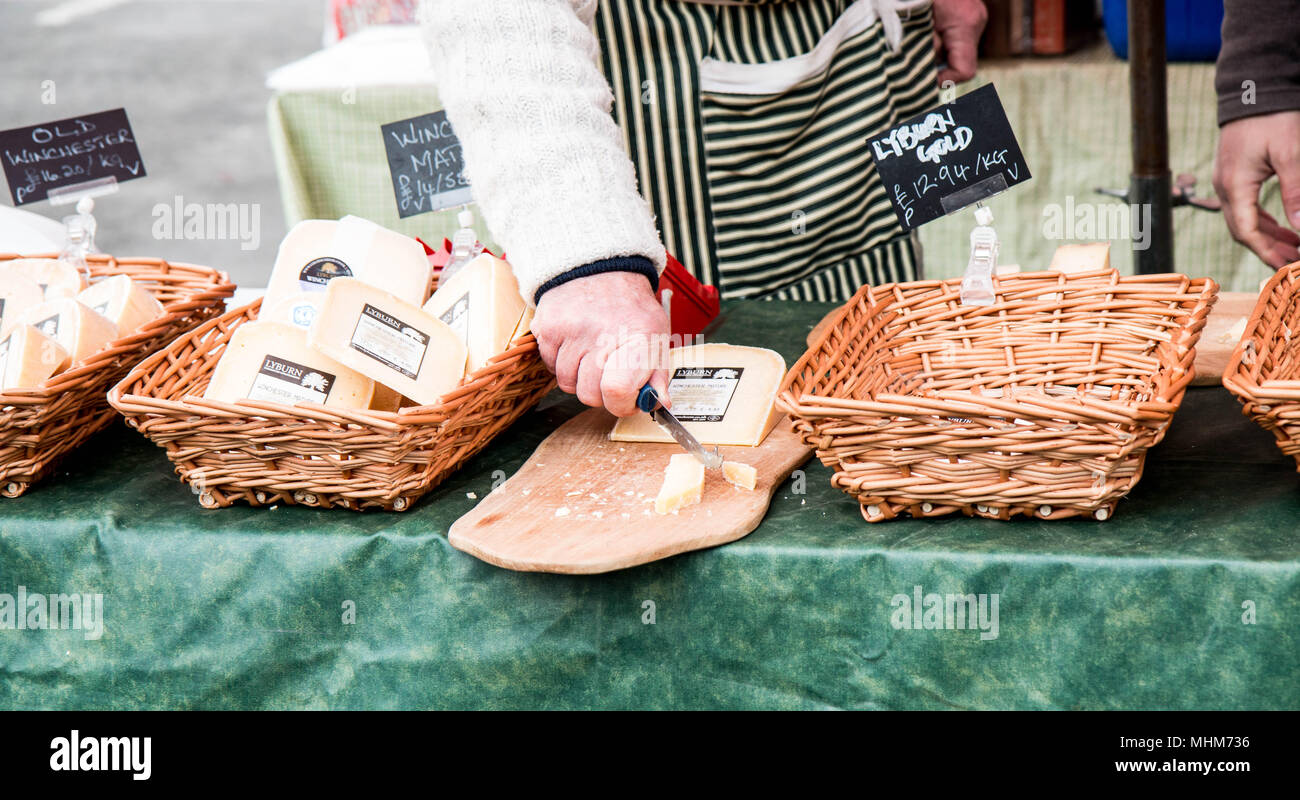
<point>959,153</point>
<point>68,152</point>
<point>425,163</point>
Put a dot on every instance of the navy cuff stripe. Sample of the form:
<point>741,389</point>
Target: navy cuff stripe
<point>638,264</point>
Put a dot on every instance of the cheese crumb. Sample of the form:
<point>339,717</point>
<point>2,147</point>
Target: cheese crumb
<point>471,495</point>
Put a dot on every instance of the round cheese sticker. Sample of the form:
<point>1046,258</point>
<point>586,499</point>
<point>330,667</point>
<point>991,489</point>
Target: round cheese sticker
<point>320,271</point>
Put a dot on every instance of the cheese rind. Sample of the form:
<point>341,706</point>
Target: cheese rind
<point>17,294</point>
<point>28,358</point>
<point>723,394</point>
<point>57,279</point>
<point>316,251</point>
<point>683,484</point>
<point>1074,258</point>
<point>388,340</point>
<point>128,304</point>
<point>81,330</point>
<point>482,304</point>
<point>271,362</point>
<point>740,475</point>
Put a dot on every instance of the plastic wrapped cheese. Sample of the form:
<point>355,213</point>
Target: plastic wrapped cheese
<point>481,303</point>
<point>389,340</point>
<point>17,294</point>
<point>28,358</point>
<point>270,361</point>
<point>57,279</point>
<point>315,252</point>
<point>128,304</point>
<point>721,393</point>
<point>81,330</point>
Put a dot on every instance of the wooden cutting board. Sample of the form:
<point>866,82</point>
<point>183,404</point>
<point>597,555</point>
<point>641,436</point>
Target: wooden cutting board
<point>582,504</point>
<point>1211,354</point>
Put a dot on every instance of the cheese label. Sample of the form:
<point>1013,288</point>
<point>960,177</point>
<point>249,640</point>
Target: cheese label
<point>390,341</point>
<point>49,326</point>
<point>320,271</point>
<point>457,317</point>
<point>280,380</point>
<point>703,394</point>
<point>303,315</point>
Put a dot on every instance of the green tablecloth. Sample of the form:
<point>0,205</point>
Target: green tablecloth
<point>244,608</point>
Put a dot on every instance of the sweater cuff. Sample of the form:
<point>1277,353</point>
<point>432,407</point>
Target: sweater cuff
<point>637,264</point>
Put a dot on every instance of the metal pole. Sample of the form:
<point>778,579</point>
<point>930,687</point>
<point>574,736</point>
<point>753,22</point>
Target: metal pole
<point>1151,182</point>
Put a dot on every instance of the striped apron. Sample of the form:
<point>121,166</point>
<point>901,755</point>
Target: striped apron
<point>747,123</point>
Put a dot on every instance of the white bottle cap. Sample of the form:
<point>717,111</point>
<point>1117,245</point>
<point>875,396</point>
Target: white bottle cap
<point>465,218</point>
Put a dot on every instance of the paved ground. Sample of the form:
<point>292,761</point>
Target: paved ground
<point>191,75</point>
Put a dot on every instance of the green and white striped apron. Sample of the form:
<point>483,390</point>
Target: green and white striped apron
<point>748,121</point>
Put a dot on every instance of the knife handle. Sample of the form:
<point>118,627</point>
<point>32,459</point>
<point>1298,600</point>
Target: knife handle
<point>647,399</point>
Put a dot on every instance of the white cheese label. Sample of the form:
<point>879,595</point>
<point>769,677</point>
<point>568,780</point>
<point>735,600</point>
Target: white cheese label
<point>457,317</point>
<point>390,341</point>
<point>280,380</point>
<point>317,274</point>
<point>49,326</point>
<point>703,394</point>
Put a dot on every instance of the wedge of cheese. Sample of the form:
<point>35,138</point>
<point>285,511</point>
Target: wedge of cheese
<point>17,294</point>
<point>28,358</point>
<point>57,279</point>
<point>683,484</point>
<point>271,362</point>
<point>482,304</point>
<point>81,330</point>
<point>721,393</point>
<point>525,325</point>
<point>316,252</point>
<point>128,304</point>
<point>1072,258</point>
<point>389,340</point>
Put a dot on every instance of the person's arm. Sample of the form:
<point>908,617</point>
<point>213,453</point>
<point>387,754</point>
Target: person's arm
<point>522,87</point>
<point>1257,80</point>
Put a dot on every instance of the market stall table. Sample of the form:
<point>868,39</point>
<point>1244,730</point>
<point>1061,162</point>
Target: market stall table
<point>1187,598</point>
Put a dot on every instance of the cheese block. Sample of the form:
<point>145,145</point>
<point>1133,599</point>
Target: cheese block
<point>57,279</point>
<point>28,358</point>
<point>271,362</point>
<point>525,325</point>
<point>389,340</point>
<point>740,475</point>
<point>482,304</point>
<point>81,330</point>
<point>721,393</point>
<point>1072,258</point>
<point>17,294</point>
<point>298,309</point>
<point>317,251</point>
<point>385,399</point>
<point>683,484</point>
<point>128,304</point>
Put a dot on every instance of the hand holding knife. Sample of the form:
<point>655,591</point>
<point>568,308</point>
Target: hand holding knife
<point>648,401</point>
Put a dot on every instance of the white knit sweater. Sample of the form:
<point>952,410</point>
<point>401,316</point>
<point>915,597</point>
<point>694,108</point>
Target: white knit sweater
<point>522,86</point>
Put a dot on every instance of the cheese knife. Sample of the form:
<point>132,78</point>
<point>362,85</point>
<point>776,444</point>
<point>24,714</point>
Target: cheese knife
<point>648,401</point>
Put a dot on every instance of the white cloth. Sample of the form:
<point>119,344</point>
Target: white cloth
<point>523,88</point>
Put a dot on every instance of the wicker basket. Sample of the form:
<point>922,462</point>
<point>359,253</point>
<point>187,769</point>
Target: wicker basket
<point>39,426</point>
<point>1042,404</point>
<point>311,454</point>
<point>1264,369</point>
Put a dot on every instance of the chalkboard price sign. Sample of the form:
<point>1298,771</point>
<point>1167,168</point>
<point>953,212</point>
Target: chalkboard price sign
<point>425,163</point>
<point>68,152</point>
<point>949,158</point>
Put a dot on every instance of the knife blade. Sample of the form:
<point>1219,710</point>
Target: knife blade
<point>648,401</point>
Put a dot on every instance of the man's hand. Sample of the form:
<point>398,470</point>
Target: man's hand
<point>1251,150</point>
<point>957,28</point>
<point>601,335</point>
